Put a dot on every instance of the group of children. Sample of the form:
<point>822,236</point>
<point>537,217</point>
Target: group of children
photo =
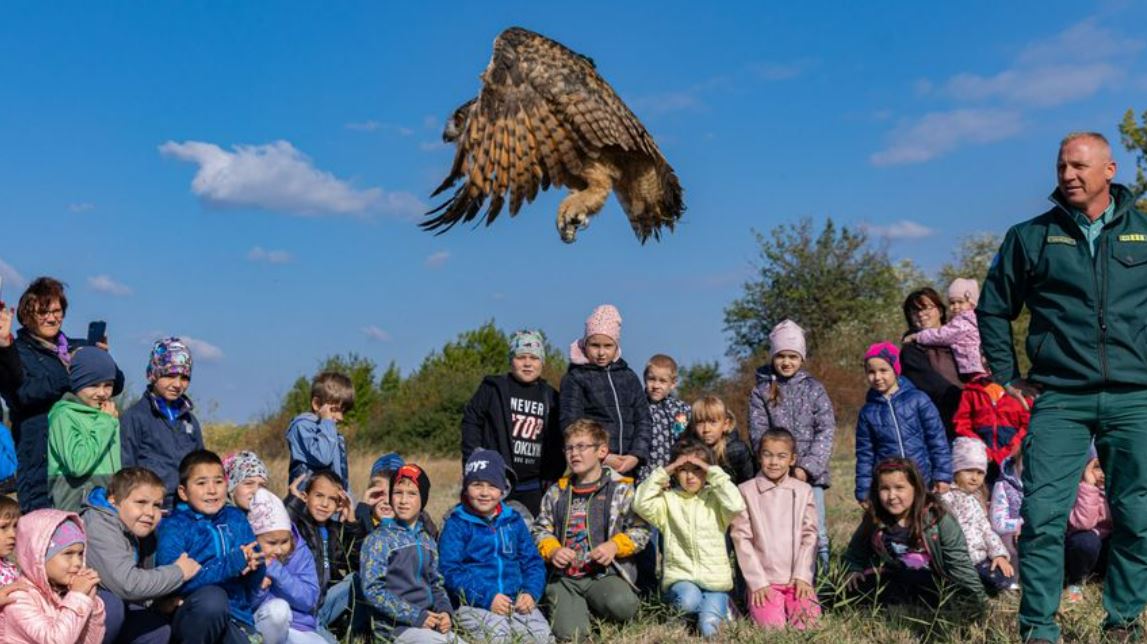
<point>576,502</point>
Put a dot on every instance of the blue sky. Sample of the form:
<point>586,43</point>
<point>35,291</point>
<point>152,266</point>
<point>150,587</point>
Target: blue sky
<point>249,175</point>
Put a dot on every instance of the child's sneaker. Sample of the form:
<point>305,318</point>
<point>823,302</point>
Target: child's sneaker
<point>1074,594</point>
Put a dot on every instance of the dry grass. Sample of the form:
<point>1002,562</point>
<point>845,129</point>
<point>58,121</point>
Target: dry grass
<point>841,624</point>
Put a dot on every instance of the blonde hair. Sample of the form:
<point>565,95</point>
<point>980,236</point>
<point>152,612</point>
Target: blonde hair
<point>586,427</point>
<point>661,361</point>
<point>709,409</point>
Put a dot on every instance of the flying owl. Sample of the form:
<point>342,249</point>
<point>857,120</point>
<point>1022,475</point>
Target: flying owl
<point>545,117</point>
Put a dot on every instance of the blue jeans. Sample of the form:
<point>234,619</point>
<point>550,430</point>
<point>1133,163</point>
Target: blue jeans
<point>821,529</point>
<point>711,608</point>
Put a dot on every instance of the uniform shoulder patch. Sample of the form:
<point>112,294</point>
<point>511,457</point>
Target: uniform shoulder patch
<point>1060,239</point>
<point>1133,237</point>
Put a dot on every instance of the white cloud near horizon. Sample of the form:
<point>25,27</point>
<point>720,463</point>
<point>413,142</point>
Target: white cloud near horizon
<point>202,350</point>
<point>1045,86</point>
<point>80,207</point>
<point>280,178</point>
<point>374,126</point>
<point>437,259</point>
<point>105,284</point>
<point>937,133</point>
<point>260,254</point>
<point>375,333</point>
<point>12,278</point>
<point>902,229</point>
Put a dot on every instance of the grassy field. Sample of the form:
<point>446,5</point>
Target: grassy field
<point>841,624</point>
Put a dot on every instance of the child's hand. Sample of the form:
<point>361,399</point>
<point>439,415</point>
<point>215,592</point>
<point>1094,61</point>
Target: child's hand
<point>501,605</point>
<point>346,511</point>
<point>604,553</point>
<point>188,566</point>
<point>525,604</point>
<point>84,582</point>
<point>940,487</point>
<point>626,463</point>
<point>293,488</point>
<point>1093,473</point>
<point>331,411</point>
<point>5,326</point>
<point>803,589</point>
<point>853,580</point>
<point>1003,565</point>
<point>760,596</point>
<point>6,592</point>
<point>563,558</point>
<point>266,583</point>
<point>255,557</point>
<point>444,624</point>
<point>108,407</point>
<point>910,338</point>
<point>431,623</point>
<point>800,474</point>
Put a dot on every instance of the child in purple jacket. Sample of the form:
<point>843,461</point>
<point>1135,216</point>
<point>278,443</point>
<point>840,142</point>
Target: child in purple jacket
<point>290,597</point>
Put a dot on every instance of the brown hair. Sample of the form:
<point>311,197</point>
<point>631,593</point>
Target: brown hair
<point>918,300</point>
<point>331,387</point>
<point>777,435</point>
<point>661,361</point>
<point>709,409</point>
<point>926,509</point>
<point>691,445</point>
<point>329,476</point>
<point>37,296</point>
<point>587,427</point>
<point>129,478</point>
<point>9,508</point>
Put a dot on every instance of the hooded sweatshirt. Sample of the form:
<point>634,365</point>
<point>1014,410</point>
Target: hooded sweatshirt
<point>40,614</point>
<point>482,558</point>
<point>126,563</point>
<point>83,451</point>
<point>296,583</point>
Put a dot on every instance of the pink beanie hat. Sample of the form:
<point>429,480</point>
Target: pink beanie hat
<point>969,454</point>
<point>267,513</point>
<point>787,336</point>
<point>605,320</point>
<point>887,352</point>
<point>965,288</point>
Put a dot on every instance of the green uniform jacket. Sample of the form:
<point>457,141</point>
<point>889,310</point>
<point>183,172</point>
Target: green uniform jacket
<point>83,451</point>
<point>1088,317</point>
<point>945,543</point>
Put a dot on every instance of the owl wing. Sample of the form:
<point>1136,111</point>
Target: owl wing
<point>543,110</point>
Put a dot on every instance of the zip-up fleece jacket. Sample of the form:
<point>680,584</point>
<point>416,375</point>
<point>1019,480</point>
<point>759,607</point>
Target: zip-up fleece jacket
<point>1007,499</point>
<point>214,541</point>
<point>125,562</point>
<point>486,423</point>
<point>157,436</point>
<point>611,517</point>
<point>988,414</point>
<point>295,583</point>
<point>944,543</point>
<point>775,537</point>
<point>83,451</point>
<point>40,614</point>
<point>803,409</point>
<point>906,425</point>
<point>692,527</point>
<point>613,396</point>
<point>400,578</point>
<point>315,445</point>
<point>1087,331</point>
<point>481,558</point>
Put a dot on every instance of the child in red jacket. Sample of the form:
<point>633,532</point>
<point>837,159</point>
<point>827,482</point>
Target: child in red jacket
<point>989,414</point>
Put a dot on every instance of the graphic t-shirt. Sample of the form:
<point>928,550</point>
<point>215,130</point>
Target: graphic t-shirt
<point>898,541</point>
<point>577,537</point>
<point>527,424</point>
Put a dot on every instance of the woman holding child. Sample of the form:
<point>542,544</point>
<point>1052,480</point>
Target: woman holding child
<point>931,368</point>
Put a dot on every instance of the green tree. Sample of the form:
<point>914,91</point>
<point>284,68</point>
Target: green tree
<point>817,280</point>
<point>972,259</point>
<point>1134,137</point>
<point>698,379</point>
<point>359,369</point>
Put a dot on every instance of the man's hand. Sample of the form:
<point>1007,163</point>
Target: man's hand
<point>525,604</point>
<point>501,605</point>
<point>604,553</point>
<point>563,558</point>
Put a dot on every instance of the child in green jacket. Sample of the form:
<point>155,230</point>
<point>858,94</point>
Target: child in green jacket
<point>83,431</point>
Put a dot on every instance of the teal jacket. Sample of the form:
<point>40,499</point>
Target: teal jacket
<point>1088,316</point>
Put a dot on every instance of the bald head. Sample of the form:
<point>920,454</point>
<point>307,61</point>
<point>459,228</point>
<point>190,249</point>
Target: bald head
<point>1084,170</point>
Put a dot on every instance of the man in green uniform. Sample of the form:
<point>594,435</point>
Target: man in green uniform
<point>1081,270</point>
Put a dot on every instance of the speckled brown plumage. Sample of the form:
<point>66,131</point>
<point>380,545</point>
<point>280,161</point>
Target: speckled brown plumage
<point>544,117</point>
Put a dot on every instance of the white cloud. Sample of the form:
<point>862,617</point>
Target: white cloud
<point>937,133</point>
<point>278,177</point>
<point>202,350</point>
<point>1045,86</point>
<point>375,333</point>
<point>1083,41</point>
<point>437,260</point>
<point>903,229</point>
<point>105,284</point>
<point>80,207</point>
<point>12,278</point>
<point>259,254</point>
<point>374,126</point>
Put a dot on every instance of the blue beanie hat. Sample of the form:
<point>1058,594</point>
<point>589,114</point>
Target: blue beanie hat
<point>485,465</point>
<point>91,365</point>
<point>388,462</point>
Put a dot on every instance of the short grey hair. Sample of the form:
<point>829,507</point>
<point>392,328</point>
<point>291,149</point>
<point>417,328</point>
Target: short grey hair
<point>1095,136</point>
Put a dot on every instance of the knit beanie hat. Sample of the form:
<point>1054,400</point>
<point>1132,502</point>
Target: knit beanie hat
<point>268,514</point>
<point>787,336</point>
<point>965,288</point>
<point>526,342</point>
<point>411,472</point>
<point>66,534</point>
<point>241,466</point>
<point>90,366</point>
<point>605,320</point>
<point>169,357</point>
<point>388,462</point>
<point>969,454</point>
<point>887,352</point>
<point>485,465</point>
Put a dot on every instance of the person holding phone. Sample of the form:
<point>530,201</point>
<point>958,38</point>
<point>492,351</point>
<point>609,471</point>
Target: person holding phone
<point>45,354</point>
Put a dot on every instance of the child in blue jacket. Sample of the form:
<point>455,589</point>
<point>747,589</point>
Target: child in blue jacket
<point>219,537</point>
<point>898,420</point>
<point>489,563</point>
<point>314,438</point>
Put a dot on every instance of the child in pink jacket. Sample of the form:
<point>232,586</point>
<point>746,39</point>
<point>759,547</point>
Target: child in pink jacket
<point>776,537</point>
<point>59,605</point>
<point>1088,527</point>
